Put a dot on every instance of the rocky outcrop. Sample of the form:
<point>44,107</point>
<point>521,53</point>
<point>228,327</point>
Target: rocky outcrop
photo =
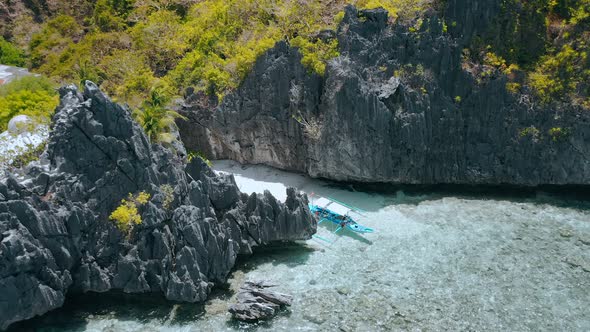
<point>397,106</point>
<point>255,301</point>
<point>55,236</point>
<point>258,124</point>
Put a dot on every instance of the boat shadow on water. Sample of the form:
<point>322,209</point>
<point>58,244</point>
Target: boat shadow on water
<point>344,233</point>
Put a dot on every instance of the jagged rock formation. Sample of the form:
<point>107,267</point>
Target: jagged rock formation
<point>256,124</point>
<point>396,107</point>
<point>256,302</point>
<point>55,236</point>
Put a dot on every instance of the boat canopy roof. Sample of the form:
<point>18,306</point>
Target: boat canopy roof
<point>332,206</point>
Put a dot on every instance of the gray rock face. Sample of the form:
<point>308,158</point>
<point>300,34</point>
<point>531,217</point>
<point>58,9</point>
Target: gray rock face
<point>258,124</point>
<point>55,236</point>
<point>255,301</point>
<point>394,107</point>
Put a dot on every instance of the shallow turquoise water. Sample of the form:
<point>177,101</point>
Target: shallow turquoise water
<point>436,262</point>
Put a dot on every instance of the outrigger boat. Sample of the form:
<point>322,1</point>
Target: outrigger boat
<point>328,209</point>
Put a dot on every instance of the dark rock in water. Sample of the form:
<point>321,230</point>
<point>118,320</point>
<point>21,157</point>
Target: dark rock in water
<point>55,236</point>
<point>396,107</point>
<point>257,302</point>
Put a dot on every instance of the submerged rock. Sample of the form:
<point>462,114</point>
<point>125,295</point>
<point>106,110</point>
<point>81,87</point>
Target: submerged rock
<point>257,302</point>
<point>396,106</point>
<point>55,236</point>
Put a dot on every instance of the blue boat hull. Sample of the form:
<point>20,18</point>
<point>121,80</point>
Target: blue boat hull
<point>338,219</point>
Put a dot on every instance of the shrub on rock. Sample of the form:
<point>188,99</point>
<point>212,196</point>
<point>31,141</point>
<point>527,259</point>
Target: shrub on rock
<point>126,215</point>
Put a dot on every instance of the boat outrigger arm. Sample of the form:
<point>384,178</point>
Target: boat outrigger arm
<point>338,213</point>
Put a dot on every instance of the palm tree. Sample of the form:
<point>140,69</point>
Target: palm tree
<point>155,118</point>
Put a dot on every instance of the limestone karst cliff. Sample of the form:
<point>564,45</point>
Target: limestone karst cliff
<point>395,107</point>
<point>55,236</point>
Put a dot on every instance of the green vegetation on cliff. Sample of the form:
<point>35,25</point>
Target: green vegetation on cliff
<point>128,46</point>
<point>546,40</point>
<point>154,117</point>
<point>30,95</point>
<point>126,216</point>
<point>11,55</point>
